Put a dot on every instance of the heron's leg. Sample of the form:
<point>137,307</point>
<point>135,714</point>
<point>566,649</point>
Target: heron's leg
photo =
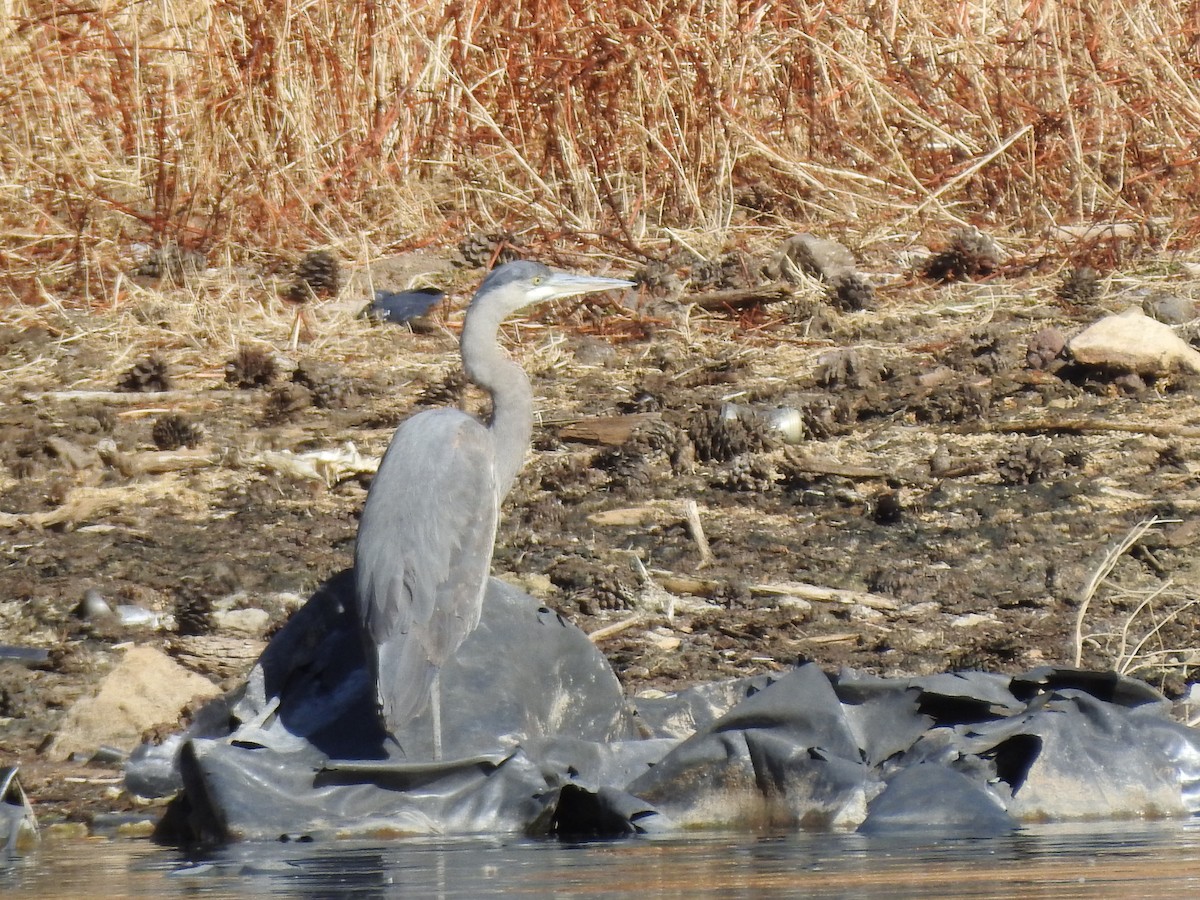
<point>435,701</point>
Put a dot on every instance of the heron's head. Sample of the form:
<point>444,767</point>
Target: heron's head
<point>523,283</point>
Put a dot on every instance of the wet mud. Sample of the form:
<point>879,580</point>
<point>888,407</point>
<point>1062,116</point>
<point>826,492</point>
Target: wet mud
<point>948,486</point>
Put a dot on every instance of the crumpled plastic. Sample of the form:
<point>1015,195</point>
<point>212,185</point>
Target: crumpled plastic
<point>18,824</point>
<point>539,739</point>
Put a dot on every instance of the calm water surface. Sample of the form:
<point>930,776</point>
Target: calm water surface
<point>1137,860</point>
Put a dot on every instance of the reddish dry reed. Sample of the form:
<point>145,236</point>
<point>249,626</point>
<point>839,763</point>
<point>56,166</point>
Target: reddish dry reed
<point>247,127</point>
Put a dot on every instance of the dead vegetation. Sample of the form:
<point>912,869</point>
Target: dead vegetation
<point>261,131</point>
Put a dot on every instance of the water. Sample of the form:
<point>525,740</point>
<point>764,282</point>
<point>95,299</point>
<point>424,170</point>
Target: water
<point>1137,860</point>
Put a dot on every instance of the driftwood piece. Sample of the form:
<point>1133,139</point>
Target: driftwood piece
<point>601,634</point>
<point>154,462</point>
<point>117,398</point>
<point>812,466</point>
<point>1080,426</point>
<point>818,594</point>
<point>740,298</point>
<point>609,431</point>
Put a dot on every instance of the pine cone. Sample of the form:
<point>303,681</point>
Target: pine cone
<point>1079,286</point>
<point>748,472</point>
<point>286,401</point>
<point>851,292</point>
<point>171,262</point>
<point>193,612</point>
<point>450,390</point>
<point>147,375</point>
<point>173,431</point>
<point>1028,464</point>
<point>330,389</point>
<point>318,275</point>
<point>719,438</point>
<point>970,254</point>
<point>251,368</point>
<point>479,249</point>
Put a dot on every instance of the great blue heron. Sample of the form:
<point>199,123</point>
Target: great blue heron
<point>425,538</point>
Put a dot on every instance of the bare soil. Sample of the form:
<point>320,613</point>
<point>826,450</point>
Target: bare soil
<point>954,498</point>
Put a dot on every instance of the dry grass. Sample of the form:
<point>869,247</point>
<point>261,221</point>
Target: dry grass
<point>251,129</point>
<point>1141,642</point>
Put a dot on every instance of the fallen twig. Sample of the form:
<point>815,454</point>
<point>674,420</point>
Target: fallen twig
<point>737,298</point>
<point>691,513</point>
<point>601,634</point>
<point>819,594</point>
<point>1079,426</point>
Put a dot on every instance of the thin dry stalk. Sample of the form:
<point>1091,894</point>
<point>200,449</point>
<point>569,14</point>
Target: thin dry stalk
<point>1101,573</point>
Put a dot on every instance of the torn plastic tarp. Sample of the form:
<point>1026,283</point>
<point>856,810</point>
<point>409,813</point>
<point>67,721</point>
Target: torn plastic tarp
<point>538,738</point>
<point>18,824</point>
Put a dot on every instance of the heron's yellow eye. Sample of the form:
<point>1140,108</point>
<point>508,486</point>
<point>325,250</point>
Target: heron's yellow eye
<point>537,279</point>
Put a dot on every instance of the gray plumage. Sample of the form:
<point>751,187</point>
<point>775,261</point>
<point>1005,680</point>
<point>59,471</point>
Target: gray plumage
<point>425,538</point>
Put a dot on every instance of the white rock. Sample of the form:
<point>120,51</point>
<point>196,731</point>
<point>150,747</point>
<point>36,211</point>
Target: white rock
<point>1133,342</point>
<point>147,688</point>
<point>244,621</point>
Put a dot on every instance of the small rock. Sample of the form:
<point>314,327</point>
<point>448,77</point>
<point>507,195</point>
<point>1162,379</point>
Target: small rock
<point>811,255</point>
<point>1169,309</point>
<point>245,621</point>
<point>1044,348</point>
<point>147,688</point>
<point>1133,342</point>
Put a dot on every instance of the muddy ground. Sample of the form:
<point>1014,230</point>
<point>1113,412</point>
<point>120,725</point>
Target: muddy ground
<point>950,499</point>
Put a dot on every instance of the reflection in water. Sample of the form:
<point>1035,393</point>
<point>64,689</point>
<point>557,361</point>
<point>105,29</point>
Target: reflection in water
<point>1144,860</point>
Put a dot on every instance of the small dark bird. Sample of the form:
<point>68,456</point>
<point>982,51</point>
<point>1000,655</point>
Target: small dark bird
<point>402,307</point>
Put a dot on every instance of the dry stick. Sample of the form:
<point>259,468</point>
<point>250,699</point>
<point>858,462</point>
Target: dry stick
<point>819,594</point>
<point>735,298</point>
<point>1125,667</point>
<point>1078,426</point>
<point>691,512</point>
<point>615,628</point>
<point>125,397</point>
<point>1103,571</point>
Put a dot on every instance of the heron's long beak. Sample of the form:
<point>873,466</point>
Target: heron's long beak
<point>566,284</point>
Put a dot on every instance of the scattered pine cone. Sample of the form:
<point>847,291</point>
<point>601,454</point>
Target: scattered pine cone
<point>719,438</point>
<point>1080,286</point>
<point>147,375</point>
<point>171,262</point>
<point>286,401</point>
<point>1028,464</point>
<point>330,388</point>
<point>850,292</point>
<point>969,255</point>
<point>728,271</point>
<point>173,431</point>
<point>318,275</point>
<point>193,612</point>
<point>251,368</point>
<point>492,248</point>
<point>659,279</point>
<point>450,390</point>
<point>748,472</point>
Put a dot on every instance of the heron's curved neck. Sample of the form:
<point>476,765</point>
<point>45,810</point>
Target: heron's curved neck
<point>488,366</point>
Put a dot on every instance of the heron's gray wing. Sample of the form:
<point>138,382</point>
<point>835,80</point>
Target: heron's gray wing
<point>423,553</point>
